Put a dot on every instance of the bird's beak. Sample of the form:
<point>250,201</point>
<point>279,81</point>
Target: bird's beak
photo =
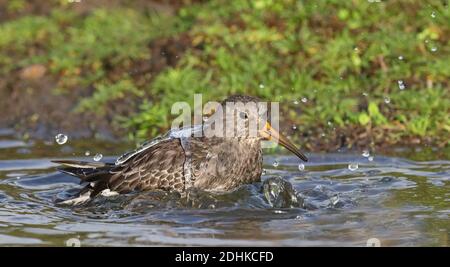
<point>269,133</point>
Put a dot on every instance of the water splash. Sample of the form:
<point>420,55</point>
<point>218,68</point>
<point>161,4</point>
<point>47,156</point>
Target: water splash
<point>98,157</point>
<point>61,139</point>
<point>301,167</point>
<point>334,200</point>
<point>401,85</point>
<point>353,166</point>
<point>365,153</point>
<point>279,193</point>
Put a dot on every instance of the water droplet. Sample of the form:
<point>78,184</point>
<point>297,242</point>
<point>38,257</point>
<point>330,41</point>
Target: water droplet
<point>301,167</point>
<point>370,158</point>
<point>261,86</point>
<point>353,166</point>
<point>366,153</point>
<point>275,163</point>
<point>387,99</point>
<point>87,153</point>
<point>61,139</point>
<point>98,157</point>
<point>401,84</point>
<point>433,14</point>
<point>434,49</point>
<point>334,200</point>
<point>400,57</point>
<point>304,99</point>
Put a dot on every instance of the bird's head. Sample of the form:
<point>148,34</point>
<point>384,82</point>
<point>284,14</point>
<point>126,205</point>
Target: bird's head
<point>248,117</point>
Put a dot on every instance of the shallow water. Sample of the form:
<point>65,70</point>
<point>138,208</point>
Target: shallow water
<point>398,201</point>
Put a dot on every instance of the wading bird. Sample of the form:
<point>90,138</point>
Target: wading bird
<point>176,162</point>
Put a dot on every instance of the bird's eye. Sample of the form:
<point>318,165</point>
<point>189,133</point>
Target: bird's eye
<point>243,115</point>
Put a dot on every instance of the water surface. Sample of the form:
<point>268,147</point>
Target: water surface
<point>397,200</point>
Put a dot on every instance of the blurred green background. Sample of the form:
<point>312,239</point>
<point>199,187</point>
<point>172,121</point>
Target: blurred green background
<point>347,73</point>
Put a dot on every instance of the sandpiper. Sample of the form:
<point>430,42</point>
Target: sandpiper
<point>176,162</point>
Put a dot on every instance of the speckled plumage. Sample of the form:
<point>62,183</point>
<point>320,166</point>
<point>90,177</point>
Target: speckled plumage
<point>207,163</point>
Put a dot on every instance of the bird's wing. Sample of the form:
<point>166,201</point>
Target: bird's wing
<point>159,167</point>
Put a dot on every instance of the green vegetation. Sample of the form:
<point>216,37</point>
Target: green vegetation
<point>347,59</point>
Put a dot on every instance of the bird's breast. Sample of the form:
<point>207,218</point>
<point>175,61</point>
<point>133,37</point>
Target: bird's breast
<point>222,166</point>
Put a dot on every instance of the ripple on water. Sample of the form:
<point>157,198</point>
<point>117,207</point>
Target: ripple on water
<point>399,201</point>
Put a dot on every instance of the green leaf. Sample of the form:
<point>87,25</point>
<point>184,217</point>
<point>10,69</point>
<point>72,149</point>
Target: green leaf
<point>363,118</point>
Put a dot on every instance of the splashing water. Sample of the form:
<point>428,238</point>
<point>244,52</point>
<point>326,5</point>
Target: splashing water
<point>353,166</point>
<point>98,157</point>
<point>366,153</point>
<point>401,85</point>
<point>334,200</point>
<point>389,196</point>
<point>61,139</point>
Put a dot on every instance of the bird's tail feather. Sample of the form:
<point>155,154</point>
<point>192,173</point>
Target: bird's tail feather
<point>96,174</point>
<point>86,171</point>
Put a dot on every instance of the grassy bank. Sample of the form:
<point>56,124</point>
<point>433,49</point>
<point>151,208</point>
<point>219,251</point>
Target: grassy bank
<point>347,73</point>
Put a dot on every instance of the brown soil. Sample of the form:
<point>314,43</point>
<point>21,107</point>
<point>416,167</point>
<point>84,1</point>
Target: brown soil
<point>30,105</point>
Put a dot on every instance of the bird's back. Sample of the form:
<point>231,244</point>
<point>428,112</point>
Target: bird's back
<point>212,164</point>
